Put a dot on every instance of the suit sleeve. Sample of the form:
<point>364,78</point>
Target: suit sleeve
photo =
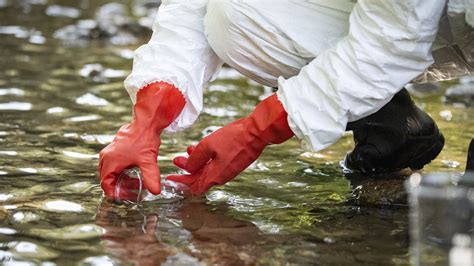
<point>177,53</point>
<point>388,45</point>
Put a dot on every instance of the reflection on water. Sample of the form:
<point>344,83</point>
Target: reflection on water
<point>62,100</point>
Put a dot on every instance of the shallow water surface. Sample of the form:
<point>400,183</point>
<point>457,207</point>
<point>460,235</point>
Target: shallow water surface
<point>61,103</point>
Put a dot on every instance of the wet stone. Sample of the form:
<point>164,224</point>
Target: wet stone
<point>79,187</point>
<point>24,193</point>
<point>462,93</point>
<point>29,250</point>
<point>112,23</point>
<point>61,206</point>
<point>25,217</point>
<point>62,11</point>
<point>72,245</point>
<point>98,260</point>
<point>383,190</point>
<point>73,232</point>
<point>181,259</point>
<point>98,73</point>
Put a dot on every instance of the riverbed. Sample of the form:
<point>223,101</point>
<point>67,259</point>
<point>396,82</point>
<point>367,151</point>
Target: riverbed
<point>61,102</point>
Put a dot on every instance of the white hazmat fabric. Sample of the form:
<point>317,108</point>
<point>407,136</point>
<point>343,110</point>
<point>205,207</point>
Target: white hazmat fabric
<point>334,61</point>
<point>178,53</point>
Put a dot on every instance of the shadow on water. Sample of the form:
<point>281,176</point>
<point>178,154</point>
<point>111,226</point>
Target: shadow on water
<point>61,102</point>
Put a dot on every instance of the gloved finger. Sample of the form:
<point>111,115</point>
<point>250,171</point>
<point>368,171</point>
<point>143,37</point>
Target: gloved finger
<point>220,171</point>
<point>190,149</point>
<point>180,162</point>
<point>198,158</point>
<point>109,173</point>
<point>213,174</point>
<point>151,177</point>
<point>187,179</point>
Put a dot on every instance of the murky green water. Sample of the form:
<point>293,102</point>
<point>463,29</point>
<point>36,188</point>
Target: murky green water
<point>290,207</point>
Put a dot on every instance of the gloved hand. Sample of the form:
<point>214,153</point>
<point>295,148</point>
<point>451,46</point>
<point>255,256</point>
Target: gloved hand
<point>136,144</point>
<point>222,155</point>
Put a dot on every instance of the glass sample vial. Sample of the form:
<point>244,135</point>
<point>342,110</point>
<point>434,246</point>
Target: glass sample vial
<point>130,187</point>
<point>441,219</point>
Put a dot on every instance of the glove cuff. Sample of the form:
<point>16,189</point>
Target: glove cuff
<point>270,121</point>
<point>158,105</point>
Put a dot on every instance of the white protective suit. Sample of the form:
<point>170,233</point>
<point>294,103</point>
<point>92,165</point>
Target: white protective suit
<point>334,61</point>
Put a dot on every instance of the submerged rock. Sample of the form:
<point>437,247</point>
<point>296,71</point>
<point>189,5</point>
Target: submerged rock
<point>79,187</point>
<point>73,232</point>
<point>99,73</point>
<point>62,11</point>
<point>21,194</point>
<point>61,206</point>
<point>181,259</point>
<point>112,23</point>
<point>389,189</point>
<point>383,190</point>
<point>99,260</point>
<point>29,250</point>
<point>462,93</point>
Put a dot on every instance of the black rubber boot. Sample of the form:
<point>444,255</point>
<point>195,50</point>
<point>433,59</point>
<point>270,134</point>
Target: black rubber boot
<point>398,136</point>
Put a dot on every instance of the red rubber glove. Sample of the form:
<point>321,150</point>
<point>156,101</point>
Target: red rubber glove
<point>136,144</point>
<point>222,155</point>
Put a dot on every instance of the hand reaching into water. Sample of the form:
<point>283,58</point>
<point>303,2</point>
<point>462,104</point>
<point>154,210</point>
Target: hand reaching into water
<point>137,144</point>
<point>222,155</point>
